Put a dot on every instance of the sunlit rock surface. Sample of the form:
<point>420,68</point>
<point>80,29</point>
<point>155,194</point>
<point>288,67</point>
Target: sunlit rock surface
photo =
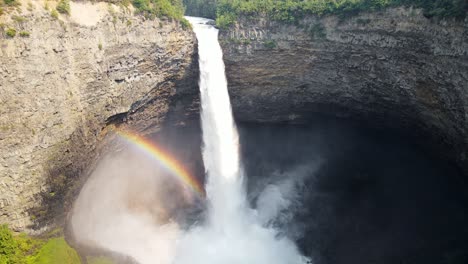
<point>60,85</point>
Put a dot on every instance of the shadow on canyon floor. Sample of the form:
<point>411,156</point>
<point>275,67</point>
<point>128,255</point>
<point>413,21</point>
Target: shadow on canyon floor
<point>372,197</point>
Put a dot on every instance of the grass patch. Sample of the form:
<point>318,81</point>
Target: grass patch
<point>99,260</point>
<point>49,249</point>
<point>54,14</point>
<point>24,34</point>
<point>56,250</point>
<point>63,7</point>
<point>18,19</point>
<point>11,32</point>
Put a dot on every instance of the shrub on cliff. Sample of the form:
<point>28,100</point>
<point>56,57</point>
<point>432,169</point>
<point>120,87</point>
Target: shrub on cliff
<point>24,34</point>
<point>64,7</point>
<point>160,8</point>
<point>11,32</point>
<point>11,2</point>
<point>54,14</point>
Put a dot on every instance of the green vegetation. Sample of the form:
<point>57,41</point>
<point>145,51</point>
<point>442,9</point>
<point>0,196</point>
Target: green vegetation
<point>55,250</point>
<point>7,5</point>
<point>16,249</point>
<point>64,7</point>
<point>227,11</point>
<point>201,8</point>
<point>11,2</point>
<point>11,32</point>
<point>22,249</point>
<point>98,260</point>
<point>160,8</point>
<point>8,246</point>
<point>185,23</point>
<point>100,46</point>
<point>24,34</point>
<point>113,13</point>
<point>54,14</point>
<point>225,20</point>
<point>172,9</point>
<point>270,44</point>
<point>18,19</point>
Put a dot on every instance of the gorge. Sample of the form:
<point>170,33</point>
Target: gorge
<point>352,126</point>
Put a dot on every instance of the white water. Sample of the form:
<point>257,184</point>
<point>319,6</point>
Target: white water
<point>128,202</point>
<point>234,233</point>
<point>220,138</point>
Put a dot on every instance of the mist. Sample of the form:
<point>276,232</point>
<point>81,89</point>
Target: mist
<point>331,192</point>
<point>373,195</point>
<point>128,206</point>
<point>140,211</point>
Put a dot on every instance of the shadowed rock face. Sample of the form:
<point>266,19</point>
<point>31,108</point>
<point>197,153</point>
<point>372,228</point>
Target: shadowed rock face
<point>393,69</point>
<point>360,195</point>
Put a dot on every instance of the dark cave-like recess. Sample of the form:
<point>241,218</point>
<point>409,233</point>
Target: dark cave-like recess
<point>372,197</point>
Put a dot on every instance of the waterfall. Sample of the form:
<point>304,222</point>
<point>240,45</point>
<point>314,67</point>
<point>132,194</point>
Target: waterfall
<point>220,138</point>
<point>233,233</point>
<point>127,205</point>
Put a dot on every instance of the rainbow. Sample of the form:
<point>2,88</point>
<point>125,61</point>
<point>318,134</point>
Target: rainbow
<point>164,158</point>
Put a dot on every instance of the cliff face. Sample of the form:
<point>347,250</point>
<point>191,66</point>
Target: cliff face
<point>61,84</point>
<point>394,69</point>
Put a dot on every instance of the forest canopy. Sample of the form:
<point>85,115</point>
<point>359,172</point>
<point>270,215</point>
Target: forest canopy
<point>227,11</point>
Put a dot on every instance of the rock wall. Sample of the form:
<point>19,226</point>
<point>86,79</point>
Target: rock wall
<point>393,69</point>
<point>60,85</point>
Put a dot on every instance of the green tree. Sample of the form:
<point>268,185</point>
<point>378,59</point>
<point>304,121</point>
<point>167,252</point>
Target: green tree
<point>291,10</point>
<point>201,8</point>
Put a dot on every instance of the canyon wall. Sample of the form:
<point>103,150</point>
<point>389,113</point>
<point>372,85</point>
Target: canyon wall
<point>63,81</point>
<point>392,69</point>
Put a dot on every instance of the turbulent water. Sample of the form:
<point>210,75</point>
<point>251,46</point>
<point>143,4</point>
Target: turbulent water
<point>234,233</point>
<point>129,203</point>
